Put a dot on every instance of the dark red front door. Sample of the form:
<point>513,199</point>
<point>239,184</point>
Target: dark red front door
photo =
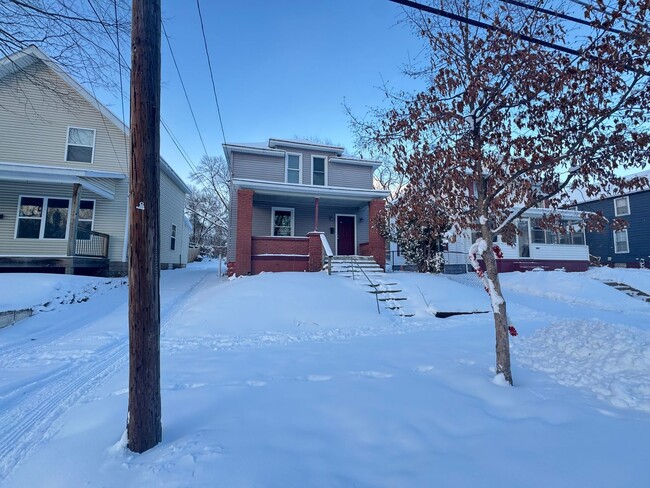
<point>345,235</point>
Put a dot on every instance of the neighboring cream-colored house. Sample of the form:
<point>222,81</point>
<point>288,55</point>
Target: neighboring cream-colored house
<point>59,147</point>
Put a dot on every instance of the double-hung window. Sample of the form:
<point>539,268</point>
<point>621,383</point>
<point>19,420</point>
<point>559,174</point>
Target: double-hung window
<point>318,170</point>
<point>621,244</point>
<point>80,146</point>
<point>282,223</point>
<point>86,218</point>
<point>293,168</point>
<point>42,218</point>
<point>621,206</point>
<point>172,245</point>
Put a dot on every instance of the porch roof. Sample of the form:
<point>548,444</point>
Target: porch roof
<point>99,182</point>
<point>296,190</point>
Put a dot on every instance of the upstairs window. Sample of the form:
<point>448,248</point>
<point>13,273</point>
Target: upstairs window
<point>173,241</point>
<point>294,168</point>
<point>80,145</point>
<point>282,222</point>
<point>621,206</point>
<point>318,170</point>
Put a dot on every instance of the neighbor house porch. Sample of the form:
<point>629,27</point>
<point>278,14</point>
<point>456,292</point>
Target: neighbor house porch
<point>51,217</point>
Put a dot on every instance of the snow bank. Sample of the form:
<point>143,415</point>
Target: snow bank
<point>611,361</point>
<point>637,278</point>
<point>574,288</point>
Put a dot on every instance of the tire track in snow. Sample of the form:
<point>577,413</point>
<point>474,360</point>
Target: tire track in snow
<point>33,418</point>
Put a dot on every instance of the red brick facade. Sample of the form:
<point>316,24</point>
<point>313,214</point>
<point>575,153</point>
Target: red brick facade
<point>315,252</point>
<point>244,231</point>
<point>376,242</point>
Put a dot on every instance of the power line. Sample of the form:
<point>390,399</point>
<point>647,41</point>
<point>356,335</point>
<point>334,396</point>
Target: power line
<point>187,98</point>
<point>207,53</point>
<point>560,15</point>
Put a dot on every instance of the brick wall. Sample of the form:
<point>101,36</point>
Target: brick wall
<point>280,245</point>
<point>244,231</point>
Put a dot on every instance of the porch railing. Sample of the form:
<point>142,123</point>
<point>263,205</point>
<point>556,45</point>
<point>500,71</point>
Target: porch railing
<point>91,244</point>
<point>328,253</point>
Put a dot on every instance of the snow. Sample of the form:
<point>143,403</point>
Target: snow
<point>294,379</point>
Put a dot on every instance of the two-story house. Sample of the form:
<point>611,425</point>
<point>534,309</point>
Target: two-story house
<point>629,247</point>
<point>287,195</point>
<point>64,166</point>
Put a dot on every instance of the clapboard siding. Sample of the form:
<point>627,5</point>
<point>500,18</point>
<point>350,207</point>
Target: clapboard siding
<point>172,205</point>
<point>258,167</point>
<point>638,233</point>
<point>350,176</point>
<point>109,219</point>
<point>38,107</point>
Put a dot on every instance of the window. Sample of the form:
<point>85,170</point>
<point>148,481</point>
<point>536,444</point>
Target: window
<point>318,170</point>
<point>282,225</point>
<point>173,242</point>
<point>620,242</point>
<point>621,206</point>
<point>294,168</point>
<point>33,223</point>
<point>80,146</point>
<point>573,234</point>
<point>86,218</point>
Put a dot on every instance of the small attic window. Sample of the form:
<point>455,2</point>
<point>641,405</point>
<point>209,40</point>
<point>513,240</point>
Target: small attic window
<point>80,145</point>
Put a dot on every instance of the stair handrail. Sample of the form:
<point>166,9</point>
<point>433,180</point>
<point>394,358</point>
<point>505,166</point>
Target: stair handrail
<point>354,262</point>
<point>328,252</point>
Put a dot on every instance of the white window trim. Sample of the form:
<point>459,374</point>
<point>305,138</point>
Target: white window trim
<point>313,156</point>
<point>293,220</point>
<point>174,231</point>
<point>92,221</point>
<point>616,214</point>
<point>627,241</point>
<point>286,167</point>
<point>42,219</point>
<point>67,141</point>
<point>336,231</point>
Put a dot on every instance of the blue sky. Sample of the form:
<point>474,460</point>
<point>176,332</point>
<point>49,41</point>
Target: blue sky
<point>282,68</point>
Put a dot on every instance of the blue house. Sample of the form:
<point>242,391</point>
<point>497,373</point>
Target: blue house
<point>627,248</point>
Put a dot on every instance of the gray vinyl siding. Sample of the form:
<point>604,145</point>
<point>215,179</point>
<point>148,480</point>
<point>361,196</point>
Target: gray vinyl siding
<point>109,219</point>
<point>258,167</point>
<point>350,176</point>
<point>172,205</point>
<point>37,109</point>
<point>306,161</point>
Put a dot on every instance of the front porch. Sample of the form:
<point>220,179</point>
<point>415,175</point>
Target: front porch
<point>277,231</point>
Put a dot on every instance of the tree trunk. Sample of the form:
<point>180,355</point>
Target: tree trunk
<point>499,309</point>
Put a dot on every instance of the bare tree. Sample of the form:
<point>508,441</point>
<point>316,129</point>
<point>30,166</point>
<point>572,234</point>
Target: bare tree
<point>505,124</point>
<point>84,37</point>
<point>209,204</point>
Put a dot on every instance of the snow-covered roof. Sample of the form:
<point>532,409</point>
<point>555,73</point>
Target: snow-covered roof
<point>607,192</point>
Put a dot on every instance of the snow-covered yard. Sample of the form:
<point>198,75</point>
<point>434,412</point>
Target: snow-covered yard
<point>294,380</point>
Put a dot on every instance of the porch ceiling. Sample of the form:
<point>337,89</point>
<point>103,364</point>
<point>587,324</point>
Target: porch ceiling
<point>292,200</point>
<point>99,182</point>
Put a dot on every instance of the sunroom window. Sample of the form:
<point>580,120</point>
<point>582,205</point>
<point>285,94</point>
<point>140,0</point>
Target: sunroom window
<point>81,145</point>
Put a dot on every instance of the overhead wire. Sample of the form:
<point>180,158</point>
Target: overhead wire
<point>207,54</point>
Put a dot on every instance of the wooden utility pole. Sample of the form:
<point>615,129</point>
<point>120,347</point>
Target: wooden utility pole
<point>144,427</point>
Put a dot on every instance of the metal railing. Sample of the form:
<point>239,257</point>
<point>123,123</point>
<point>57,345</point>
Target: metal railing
<point>353,263</point>
<point>91,244</point>
<point>328,253</point>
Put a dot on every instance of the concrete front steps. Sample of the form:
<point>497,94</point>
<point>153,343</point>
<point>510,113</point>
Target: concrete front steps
<point>355,266</point>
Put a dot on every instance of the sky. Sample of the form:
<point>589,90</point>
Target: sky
<point>282,69</point>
